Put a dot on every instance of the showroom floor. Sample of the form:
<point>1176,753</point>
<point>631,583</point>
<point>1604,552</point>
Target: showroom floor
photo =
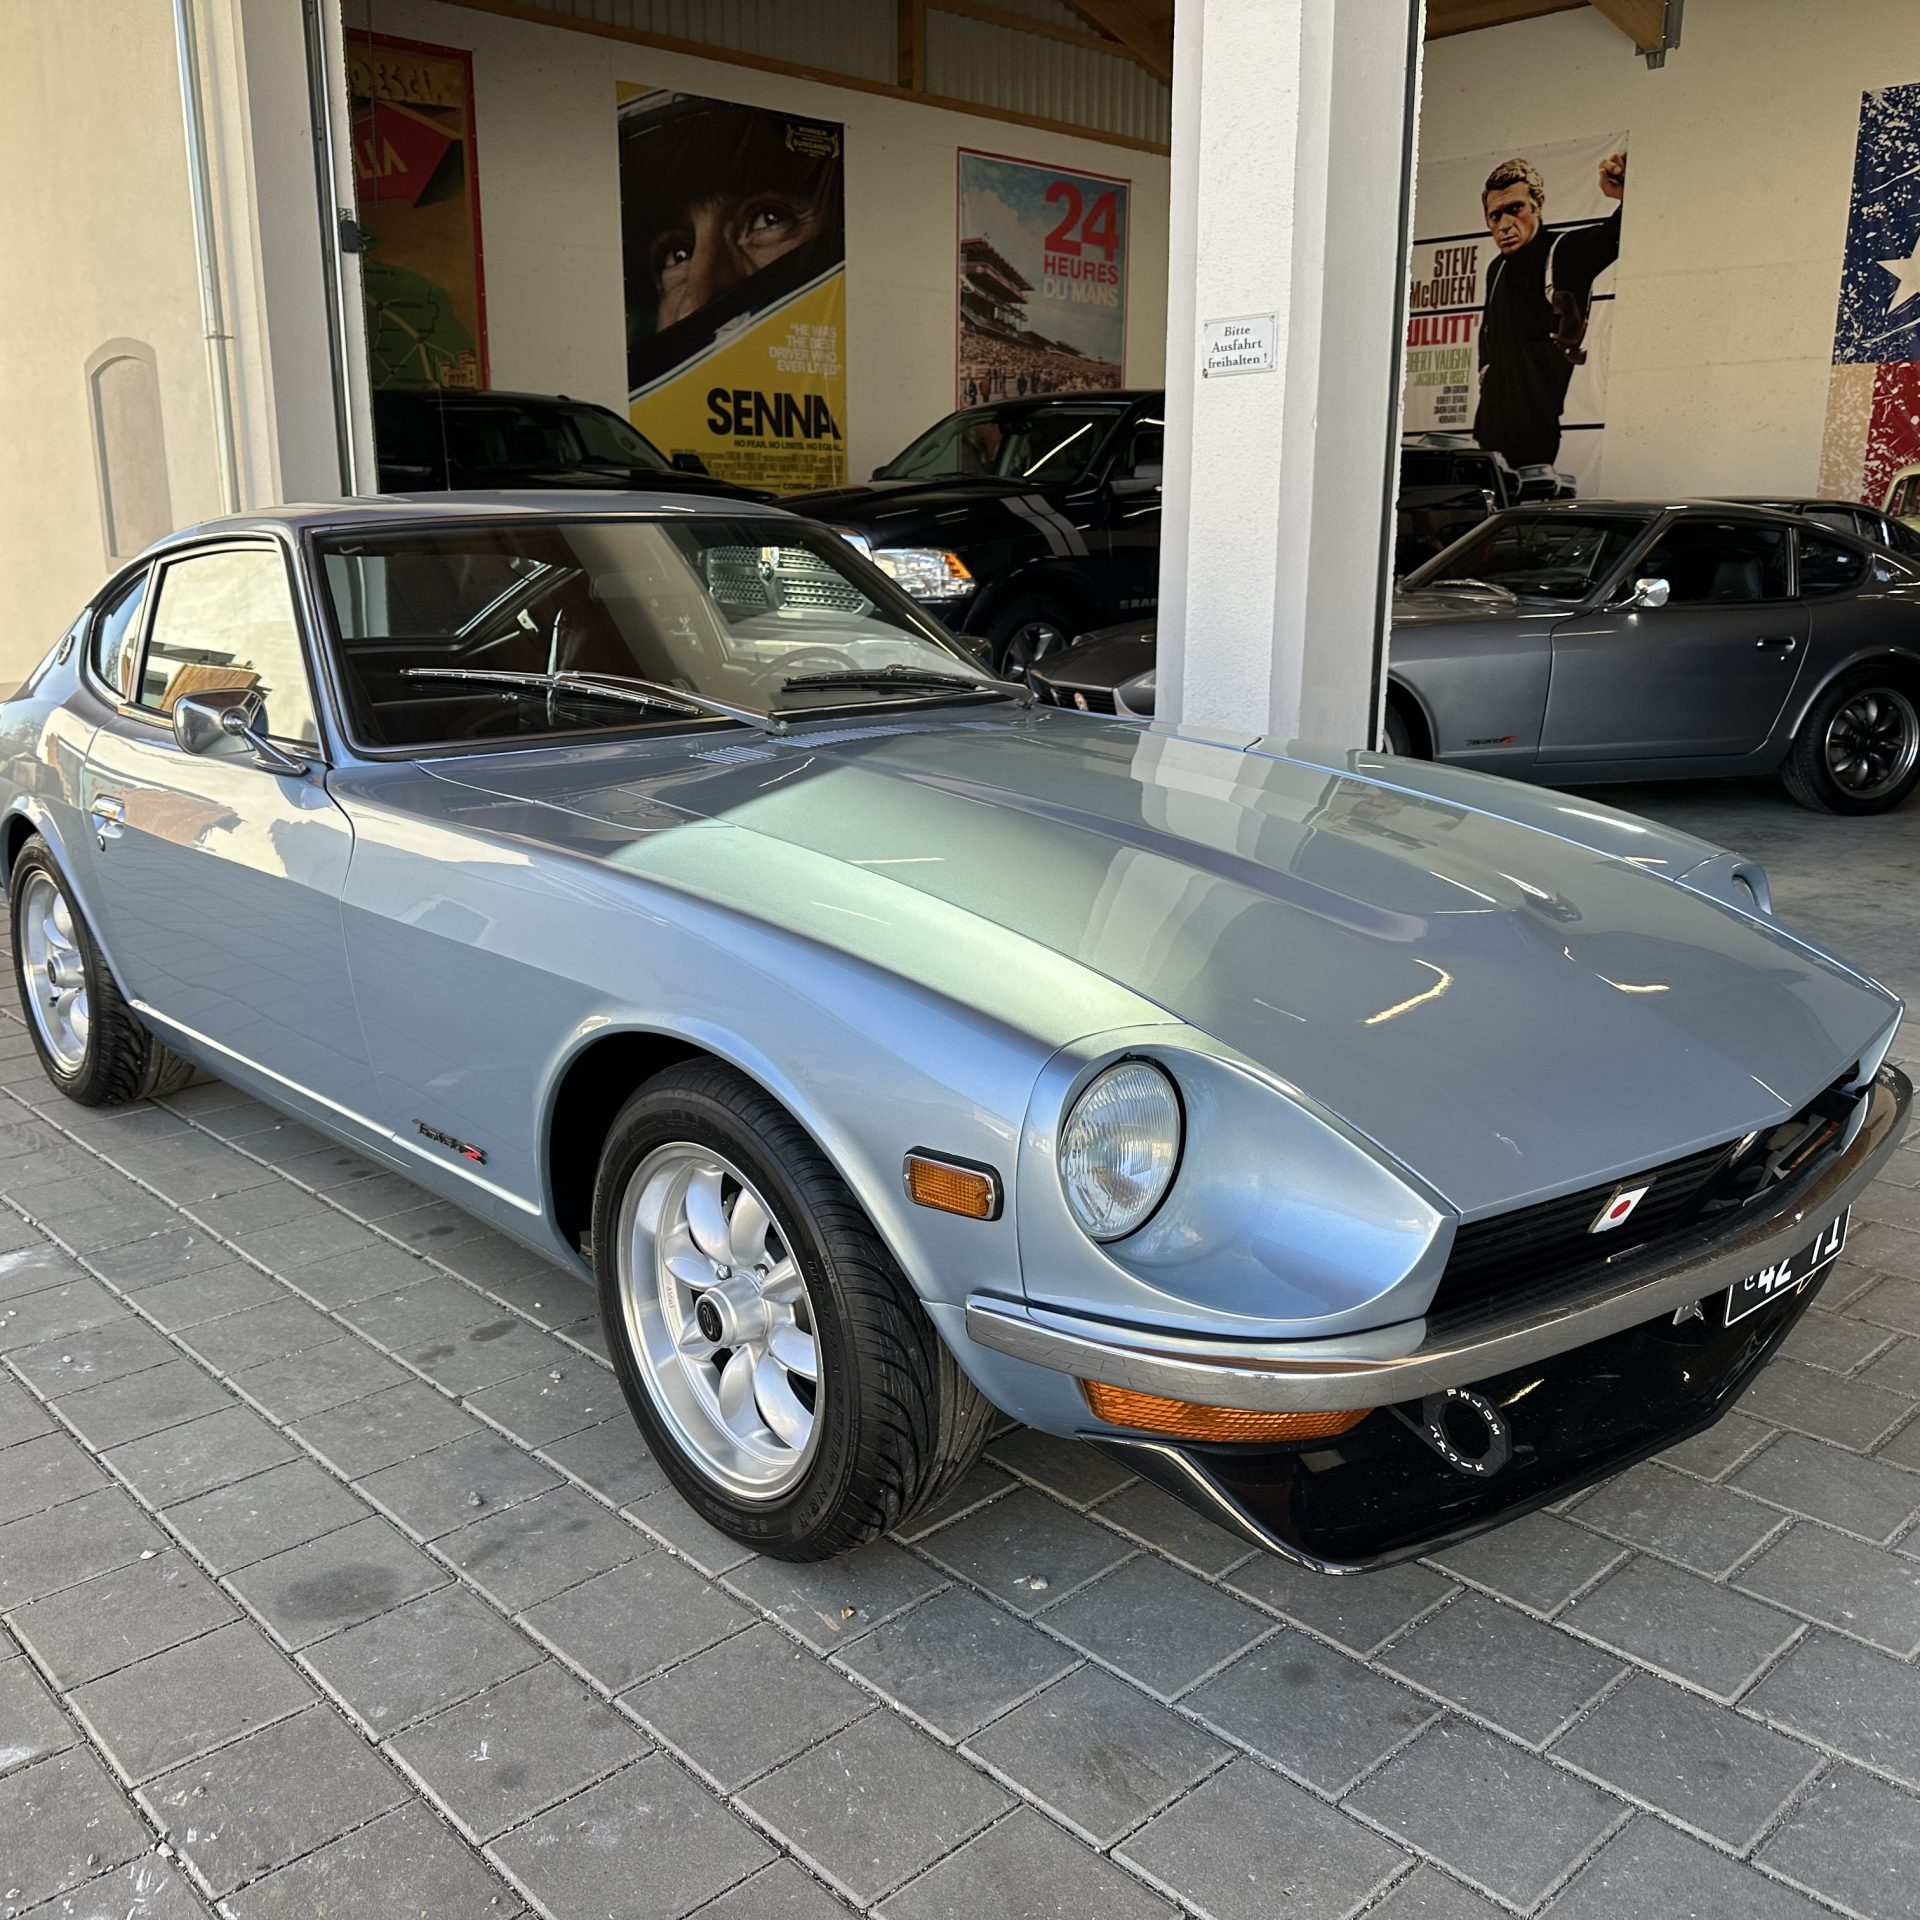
<point>335,1581</point>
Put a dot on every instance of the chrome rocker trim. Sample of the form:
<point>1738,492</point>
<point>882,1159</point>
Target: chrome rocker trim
<point>1404,1362</point>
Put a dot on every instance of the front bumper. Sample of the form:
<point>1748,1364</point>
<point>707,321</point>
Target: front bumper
<point>1584,1385</point>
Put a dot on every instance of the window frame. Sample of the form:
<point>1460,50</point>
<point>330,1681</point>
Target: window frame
<point>90,675</point>
<point>1672,522</point>
<point>1861,550</point>
<point>315,749</point>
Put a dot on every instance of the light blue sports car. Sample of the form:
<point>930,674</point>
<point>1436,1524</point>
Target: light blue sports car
<point>1366,1151</point>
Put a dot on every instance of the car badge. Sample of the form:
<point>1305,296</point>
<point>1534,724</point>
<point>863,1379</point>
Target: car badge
<point>1619,1208</point>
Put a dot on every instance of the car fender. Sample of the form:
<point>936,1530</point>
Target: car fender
<point>1804,702</point>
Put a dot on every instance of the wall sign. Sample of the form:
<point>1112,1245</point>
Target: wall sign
<point>418,202</point>
<point>1242,345</point>
<point>1042,279</point>
<point>733,231</point>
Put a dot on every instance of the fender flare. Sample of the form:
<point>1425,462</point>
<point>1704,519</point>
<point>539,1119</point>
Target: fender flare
<point>30,808</point>
<point>1868,656</point>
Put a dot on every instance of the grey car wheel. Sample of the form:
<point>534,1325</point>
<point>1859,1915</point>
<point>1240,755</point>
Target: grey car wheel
<point>1023,634</point>
<point>1859,749</point>
<point>53,969</point>
<point>773,1354</point>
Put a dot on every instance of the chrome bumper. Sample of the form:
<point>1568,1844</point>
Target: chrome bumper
<point>1406,1362</point>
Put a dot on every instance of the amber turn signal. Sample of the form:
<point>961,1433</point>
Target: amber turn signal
<point>1185,1420</point>
<point>951,1186</point>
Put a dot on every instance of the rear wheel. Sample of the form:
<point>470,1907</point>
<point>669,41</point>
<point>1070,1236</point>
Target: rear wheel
<point>91,1045</point>
<point>774,1356</point>
<point>1858,750</point>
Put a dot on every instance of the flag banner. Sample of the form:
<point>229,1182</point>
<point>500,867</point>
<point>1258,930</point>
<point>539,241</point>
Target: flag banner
<point>1510,310</point>
<point>1873,395</point>
<point>418,204</point>
<point>733,231</point>
<point>1043,279</point>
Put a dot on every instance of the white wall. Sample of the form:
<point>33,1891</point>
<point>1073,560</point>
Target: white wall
<point>550,214</point>
<point>1740,169</point>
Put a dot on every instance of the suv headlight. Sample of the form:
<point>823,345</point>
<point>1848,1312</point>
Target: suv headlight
<point>928,573</point>
<point>1120,1148</point>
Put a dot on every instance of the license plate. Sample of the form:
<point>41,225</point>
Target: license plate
<point>1789,1275</point>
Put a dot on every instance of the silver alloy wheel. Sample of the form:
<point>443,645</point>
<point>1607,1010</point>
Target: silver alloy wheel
<point>1029,644</point>
<point>719,1321</point>
<point>55,971</point>
<point>1872,742</point>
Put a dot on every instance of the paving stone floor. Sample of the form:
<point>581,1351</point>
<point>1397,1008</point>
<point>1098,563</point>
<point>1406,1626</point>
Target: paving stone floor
<point>335,1581</point>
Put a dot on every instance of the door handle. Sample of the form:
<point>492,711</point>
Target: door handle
<point>1786,642</point>
<point>109,815</point>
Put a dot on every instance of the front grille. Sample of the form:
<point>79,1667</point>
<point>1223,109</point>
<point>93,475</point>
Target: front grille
<point>1550,1249</point>
<point>1078,699</point>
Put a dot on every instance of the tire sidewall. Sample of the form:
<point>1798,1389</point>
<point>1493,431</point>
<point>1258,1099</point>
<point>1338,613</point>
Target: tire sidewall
<point>36,857</point>
<point>656,1119</point>
<point>1029,610</point>
<point>1810,749</point>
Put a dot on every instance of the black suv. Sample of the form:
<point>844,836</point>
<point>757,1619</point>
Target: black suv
<point>447,440</point>
<point>1019,524</point>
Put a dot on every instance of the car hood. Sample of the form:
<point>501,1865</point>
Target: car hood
<point>885,507</point>
<point>1105,658</point>
<point>1506,1013</point>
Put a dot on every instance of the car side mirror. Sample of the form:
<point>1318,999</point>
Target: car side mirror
<point>1648,593</point>
<point>201,721</point>
<point>688,463</point>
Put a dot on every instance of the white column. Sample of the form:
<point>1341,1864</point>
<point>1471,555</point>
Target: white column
<point>1291,187</point>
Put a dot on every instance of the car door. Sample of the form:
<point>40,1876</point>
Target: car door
<point>219,882</point>
<point>1705,674</point>
<point>1129,516</point>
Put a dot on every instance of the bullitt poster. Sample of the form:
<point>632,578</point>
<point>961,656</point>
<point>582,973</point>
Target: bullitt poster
<point>1873,398</point>
<point>1510,314</point>
<point>733,233</point>
<point>1043,279</point>
<point>417,202</point>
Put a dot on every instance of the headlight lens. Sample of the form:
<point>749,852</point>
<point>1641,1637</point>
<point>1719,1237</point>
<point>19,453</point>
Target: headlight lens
<point>928,573</point>
<point>1119,1149</point>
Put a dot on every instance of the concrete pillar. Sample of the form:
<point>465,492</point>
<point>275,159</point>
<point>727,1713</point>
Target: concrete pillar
<point>1293,128</point>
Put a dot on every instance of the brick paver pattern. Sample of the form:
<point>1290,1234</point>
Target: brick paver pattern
<point>335,1578</point>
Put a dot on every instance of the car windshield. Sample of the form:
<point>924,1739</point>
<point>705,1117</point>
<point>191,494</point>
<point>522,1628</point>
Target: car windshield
<point>1045,441</point>
<point>1546,556</point>
<point>485,631</point>
<point>544,435</point>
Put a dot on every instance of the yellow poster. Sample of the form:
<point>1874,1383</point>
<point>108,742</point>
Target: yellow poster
<point>419,209</point>
<point>733,231</point>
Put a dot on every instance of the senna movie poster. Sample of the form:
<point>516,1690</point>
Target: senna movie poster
<point>417,202</point>
<point>1043,279</point>
<point>733,231</point>
<point>1510,311</point>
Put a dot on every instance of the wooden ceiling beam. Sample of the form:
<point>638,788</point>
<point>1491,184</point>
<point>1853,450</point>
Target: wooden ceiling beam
<point>1445,17</point>
<point>1149,41</point>
<point>1644,22</point>
<point>989,15</point>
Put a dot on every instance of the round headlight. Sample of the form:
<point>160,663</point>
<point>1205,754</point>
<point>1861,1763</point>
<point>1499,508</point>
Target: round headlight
<point>1119,1149</point>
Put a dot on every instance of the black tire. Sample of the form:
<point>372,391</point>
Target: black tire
<point>1858,750</point>
<point>1024,632</point>
<point>898,1422</point>
<point>121,1061</point>
<point>1396,736</point>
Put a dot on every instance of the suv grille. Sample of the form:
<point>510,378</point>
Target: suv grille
<point>1548,1249</point>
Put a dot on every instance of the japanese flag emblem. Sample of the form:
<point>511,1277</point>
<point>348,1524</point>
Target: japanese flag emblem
<point>1619,1208</point>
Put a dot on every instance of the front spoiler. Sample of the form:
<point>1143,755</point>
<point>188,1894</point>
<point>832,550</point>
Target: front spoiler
<point>1415,1358</point>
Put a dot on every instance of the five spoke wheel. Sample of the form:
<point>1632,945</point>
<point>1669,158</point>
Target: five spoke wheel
<point>54,970</point>
<point>719,1319</point>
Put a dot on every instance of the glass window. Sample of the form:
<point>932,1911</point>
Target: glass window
<point>224,619</point>
<point>1900,501</point>
<point>764,614</point>
<point>1828,567</point>
<point>1050,441</point>
<point>1548,556</point>
<point>1708,562</point>
<point>113,632</point>
<point>1144,455</point>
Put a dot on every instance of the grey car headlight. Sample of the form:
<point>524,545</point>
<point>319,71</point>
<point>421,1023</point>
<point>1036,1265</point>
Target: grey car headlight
<point>1120,1148</point>
<point>928,573</point>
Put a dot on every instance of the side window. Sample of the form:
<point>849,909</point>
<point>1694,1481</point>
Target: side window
<point>1145,450</point>
<point>223,620</point>
<point>1722,562</point>
<point>1900,504</point>
<point>113,631</point>
<point>1828,567</point>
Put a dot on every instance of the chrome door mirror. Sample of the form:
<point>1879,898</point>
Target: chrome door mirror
<point>201,721</point>
<point>1648,593</point>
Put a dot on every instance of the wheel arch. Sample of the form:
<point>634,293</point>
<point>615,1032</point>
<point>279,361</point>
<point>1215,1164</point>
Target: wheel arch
<point>1046,578</point>
<point>1402,696</point>
<point>1905,663</point>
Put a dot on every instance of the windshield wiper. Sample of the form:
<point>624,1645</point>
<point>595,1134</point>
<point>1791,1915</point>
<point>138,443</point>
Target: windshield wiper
<point>1479,586</point>
<point>910,678</point>
<point>639,693</point>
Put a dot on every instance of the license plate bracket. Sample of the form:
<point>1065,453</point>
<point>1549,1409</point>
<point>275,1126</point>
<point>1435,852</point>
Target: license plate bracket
<point>1791,1275</point>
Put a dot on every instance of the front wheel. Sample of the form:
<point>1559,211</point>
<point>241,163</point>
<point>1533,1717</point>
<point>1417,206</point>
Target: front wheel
<point>89,1041</point>
<point>772,1353</point>
<point>1023,633</point>
<point>1858,751</point>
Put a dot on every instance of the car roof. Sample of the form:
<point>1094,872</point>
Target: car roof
<point>391,511</point>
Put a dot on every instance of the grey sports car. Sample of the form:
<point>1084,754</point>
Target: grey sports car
<point>1366,1151</point>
